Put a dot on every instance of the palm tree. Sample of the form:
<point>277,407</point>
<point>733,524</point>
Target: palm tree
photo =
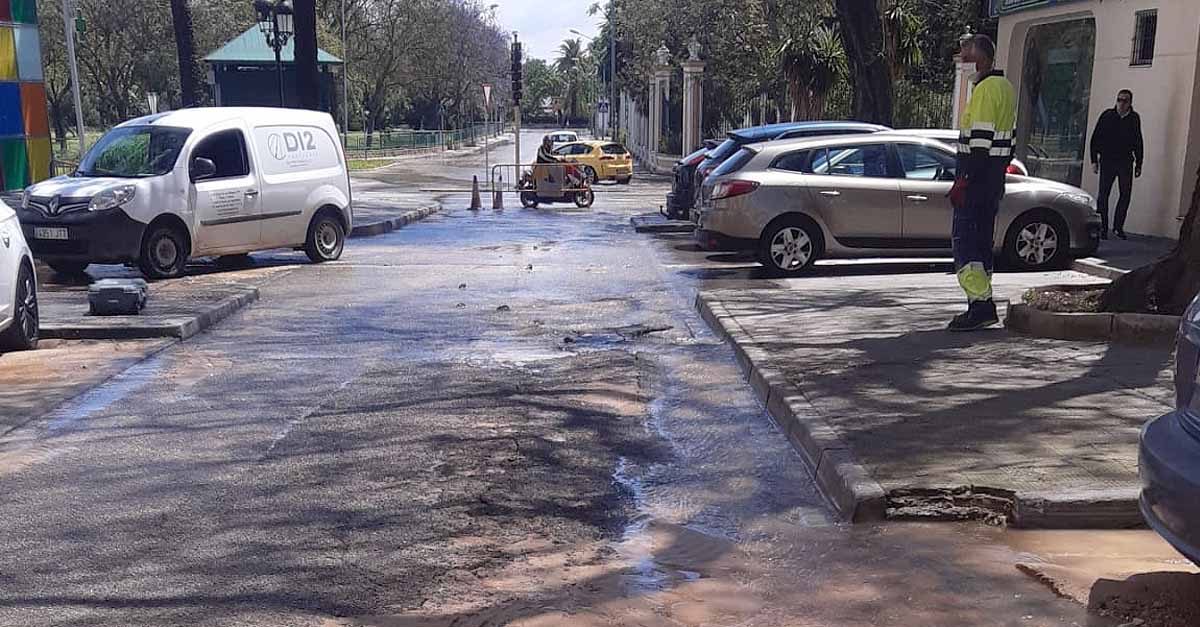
<point>571,64</point>
<point>813,61</point>
<point>903,27</point>
<point>185,49</point>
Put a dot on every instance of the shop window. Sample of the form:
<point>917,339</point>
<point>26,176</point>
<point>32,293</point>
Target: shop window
<point>1056,91</point>
<point>1145,31</point>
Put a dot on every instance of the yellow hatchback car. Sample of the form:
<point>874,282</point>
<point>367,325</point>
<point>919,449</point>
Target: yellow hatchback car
<point>599,160</point>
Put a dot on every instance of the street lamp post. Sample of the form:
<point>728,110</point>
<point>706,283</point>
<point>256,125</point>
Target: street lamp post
<point>275,22</point>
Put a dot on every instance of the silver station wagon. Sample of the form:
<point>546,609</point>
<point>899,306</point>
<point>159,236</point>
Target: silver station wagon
<point>796,201</point>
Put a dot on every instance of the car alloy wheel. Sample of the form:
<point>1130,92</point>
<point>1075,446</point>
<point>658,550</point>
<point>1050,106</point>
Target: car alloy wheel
<point>589,173</point>
<point>1037,243</point>
<point>791,248</point>
<point>23,333</point>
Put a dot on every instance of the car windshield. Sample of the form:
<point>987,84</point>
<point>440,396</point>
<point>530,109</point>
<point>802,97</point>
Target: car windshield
<point>135,152</point>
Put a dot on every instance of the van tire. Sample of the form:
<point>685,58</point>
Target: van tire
<point>22,334</point>
<point>164,252</point>
<point>326,238</point>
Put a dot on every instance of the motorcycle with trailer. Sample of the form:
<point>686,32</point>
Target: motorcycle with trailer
<point>549,183</point>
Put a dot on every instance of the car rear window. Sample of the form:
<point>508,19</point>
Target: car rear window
<point>736,162</point>
<point>613,149</point>
<point>727,148</point>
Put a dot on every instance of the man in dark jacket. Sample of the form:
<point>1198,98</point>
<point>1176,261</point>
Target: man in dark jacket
<point>1117,153</point>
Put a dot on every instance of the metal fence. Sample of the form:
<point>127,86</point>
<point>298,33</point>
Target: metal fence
<point>391,142</point>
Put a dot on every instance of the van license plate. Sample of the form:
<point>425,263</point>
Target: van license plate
<point>49,233</point>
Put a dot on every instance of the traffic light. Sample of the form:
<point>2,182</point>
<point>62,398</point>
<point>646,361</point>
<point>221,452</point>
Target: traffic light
<point>516,73</point>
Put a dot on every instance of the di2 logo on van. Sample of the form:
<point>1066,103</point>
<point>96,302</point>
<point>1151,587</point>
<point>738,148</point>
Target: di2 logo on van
<point>294,148</point>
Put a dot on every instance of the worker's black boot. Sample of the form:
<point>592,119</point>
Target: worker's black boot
<point>980,315</point>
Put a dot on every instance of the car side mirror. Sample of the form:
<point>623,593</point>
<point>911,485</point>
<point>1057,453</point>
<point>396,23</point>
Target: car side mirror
<point>203,168</point>
<point>946,174</point>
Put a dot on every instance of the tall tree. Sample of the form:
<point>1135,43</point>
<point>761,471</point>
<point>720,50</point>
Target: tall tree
<point>570,66</point>
<point>185,50</point>
<point>870,76</point>
<point>1168,285</point>
<point>308,73</point>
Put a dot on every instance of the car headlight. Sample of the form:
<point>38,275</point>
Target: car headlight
<point>112,198</point>
<point>1081,198</point>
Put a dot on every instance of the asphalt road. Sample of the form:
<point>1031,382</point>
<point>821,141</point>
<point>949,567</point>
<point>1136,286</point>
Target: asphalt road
<point>483,419</point>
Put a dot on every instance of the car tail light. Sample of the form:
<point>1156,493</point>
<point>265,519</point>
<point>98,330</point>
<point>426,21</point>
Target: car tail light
<point>1015,169</point>
<point>695,161</point>
<point>729,189</point>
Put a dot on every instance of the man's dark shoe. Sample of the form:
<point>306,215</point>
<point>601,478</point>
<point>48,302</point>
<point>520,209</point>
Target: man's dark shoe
<point>980,315</point>
<point>1121,234</point>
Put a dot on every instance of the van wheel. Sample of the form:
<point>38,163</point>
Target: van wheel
<point>326,239</point>
<point>790,246</point>
<point>68,268</point>
<point>23,333</point>
<point>164,253</point>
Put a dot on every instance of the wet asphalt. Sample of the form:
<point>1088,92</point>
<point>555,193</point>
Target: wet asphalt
<point>375,435</point>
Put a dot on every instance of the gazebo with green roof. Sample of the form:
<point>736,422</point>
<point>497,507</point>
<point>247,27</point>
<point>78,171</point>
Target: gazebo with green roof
<point>242,73</point>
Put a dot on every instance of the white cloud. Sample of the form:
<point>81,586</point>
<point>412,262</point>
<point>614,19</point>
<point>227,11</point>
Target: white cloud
<point>542,25</point>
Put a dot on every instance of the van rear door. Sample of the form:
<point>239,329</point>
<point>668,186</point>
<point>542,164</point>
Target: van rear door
<point>228,205</point>
<point>294,161</point>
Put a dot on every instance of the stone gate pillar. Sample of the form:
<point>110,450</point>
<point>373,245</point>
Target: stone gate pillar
<point>660,94</point>
<point>693,98</point>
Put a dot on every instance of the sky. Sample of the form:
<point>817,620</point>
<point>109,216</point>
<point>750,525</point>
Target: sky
<point>543,24</point>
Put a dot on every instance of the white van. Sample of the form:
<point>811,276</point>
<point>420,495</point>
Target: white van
<point>158,190</point>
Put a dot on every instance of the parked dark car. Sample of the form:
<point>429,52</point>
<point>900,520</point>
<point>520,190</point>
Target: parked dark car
<point>681,196</point>
<point>783,130</point>
<point>1169,453</point>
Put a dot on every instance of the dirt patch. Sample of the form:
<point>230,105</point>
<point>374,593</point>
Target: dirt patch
<point>1066,298</point>
<point>1163,599</point>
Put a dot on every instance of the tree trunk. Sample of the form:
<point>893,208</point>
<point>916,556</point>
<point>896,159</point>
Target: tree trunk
<point>862,35</point>
<point>308,77</point>
<point>1168,285</point>
<point>185,49</point>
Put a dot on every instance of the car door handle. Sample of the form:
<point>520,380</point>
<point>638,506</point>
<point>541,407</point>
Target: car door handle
<point>252,193</point>
<point>830,192</point>
<point>917,198</point>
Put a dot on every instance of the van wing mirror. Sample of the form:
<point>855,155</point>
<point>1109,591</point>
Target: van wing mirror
<point>203,168</point>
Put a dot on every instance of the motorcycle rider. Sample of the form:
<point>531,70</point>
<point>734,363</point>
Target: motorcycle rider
<point>545,155</point>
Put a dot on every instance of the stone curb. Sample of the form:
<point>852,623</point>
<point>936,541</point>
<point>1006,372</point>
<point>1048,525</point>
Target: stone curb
<point>857,497</point>
<point>655,223</point>
<point>1097,269</point>
<point>845,483</point>
<point>1101,327</point>
<point>138,330</point>
<point>391,224</point>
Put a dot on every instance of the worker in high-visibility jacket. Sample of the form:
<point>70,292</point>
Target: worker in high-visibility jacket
<point>985,149</point>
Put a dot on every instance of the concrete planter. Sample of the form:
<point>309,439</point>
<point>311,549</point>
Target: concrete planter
<point>1099,327</point>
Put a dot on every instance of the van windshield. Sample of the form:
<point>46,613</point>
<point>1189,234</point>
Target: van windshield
<point>135,152</point>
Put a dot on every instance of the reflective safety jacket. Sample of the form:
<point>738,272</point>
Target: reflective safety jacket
<point>985,141</point>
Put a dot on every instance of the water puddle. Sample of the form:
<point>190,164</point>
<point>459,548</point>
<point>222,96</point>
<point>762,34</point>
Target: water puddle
<point>101,398</point>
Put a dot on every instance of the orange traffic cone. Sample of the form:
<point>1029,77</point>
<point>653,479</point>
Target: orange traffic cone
<point>476,204</point>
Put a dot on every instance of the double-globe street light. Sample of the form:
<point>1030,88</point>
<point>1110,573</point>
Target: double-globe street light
<point>275,22</point>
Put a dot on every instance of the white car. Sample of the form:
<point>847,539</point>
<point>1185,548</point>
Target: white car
<point>950,137</point>
<point>559,139</point>
<point>218,181</point>
<point>18,287</point>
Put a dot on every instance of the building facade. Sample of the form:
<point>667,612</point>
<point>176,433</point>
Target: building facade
<point>1069,58</point>
<point>24,119</point>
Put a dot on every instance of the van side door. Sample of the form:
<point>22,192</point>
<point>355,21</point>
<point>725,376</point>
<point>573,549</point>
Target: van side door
<point>228,207</point>
<point>294,161</point>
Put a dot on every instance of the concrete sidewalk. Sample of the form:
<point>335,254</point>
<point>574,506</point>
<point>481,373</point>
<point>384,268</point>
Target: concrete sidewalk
<point>902,419</point>
<point>1117,256</point>
<point>379,208</point>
